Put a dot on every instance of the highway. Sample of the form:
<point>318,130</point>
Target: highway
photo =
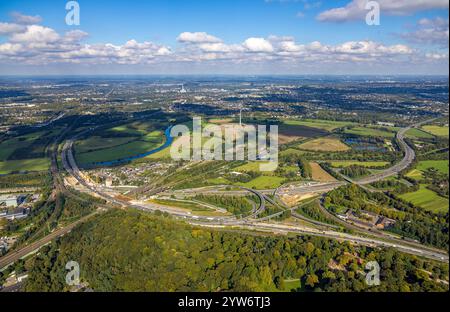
<point>70,166</point>
<point>403,164</point>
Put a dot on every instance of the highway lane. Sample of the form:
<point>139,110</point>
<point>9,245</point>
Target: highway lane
<point>278,228</point>
<point>409,156</point>
<point>442,257</point>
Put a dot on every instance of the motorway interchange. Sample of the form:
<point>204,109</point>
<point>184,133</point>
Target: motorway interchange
<point>376,238</point>
<point>251,222</point>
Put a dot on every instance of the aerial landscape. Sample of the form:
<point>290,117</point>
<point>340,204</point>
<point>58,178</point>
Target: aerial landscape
<point>278,164</point>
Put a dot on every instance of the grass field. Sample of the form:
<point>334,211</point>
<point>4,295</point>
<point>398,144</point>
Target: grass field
<point>343,164</point>
<point>291,151</point>
<point>427,199</point>
<point>221,121</point>
<point>415,174</point>
<point>136,138</point>
<point>116,152</point>
<point>263,182</point>
<point>440,165</point>
<point>189,206</point>
<point>291,284</point>
<point>30,141</point>
<point>97,143</point>
<point>418,134</point>
<point>318,174</point>
<point>36,164</point>
<point>436,130</point>
<point>327,125</point>
<point>250,166</point>
<point>324,145</point>
<point>371,132</point>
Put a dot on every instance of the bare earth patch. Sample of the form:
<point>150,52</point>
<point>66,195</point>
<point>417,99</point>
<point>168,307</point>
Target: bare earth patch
<point>325,145</point>
<point>318,174</point>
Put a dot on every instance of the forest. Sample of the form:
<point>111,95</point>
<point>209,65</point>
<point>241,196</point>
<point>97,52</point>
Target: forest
<point>133,251</point>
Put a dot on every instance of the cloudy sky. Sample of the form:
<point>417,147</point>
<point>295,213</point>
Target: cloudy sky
<point>224,37</point>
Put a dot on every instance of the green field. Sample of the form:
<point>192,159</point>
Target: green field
<point>418,134</point>
<point>415,174</point>
<point>117,152</point>
<point>427,199</point>
<point>134,139</point>
<point>347,163</point>
<point>368,131</point>
<point>436,130</point>
<point>291,151</point>
<point>22,165</point>
<point>327,125</point>
<point>440,165</point>
<point>97,143</point>
<point>291,284</point>
<point>190,206</point>
<point>28,141</point>
<point>250,166</point>
<point>263,182</point>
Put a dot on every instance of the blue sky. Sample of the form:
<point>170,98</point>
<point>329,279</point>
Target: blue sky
<point>232,22</point>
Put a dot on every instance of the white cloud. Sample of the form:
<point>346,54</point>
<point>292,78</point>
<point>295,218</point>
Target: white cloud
<point>40,45</point>
<point>25,19</point>
<point>355,10</point>
<point>258,45</point>
<point>10,28</point>
<point>429,31</point>
<point>9,48</point>
<point>437,56</point>
<point>75,35</point>
<point>36,33</point>
<point>197,37</point>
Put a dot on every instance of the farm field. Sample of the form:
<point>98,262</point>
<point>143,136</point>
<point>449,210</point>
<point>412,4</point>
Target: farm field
<point>318,174</point>
<point>250,166</point>
<point>325,145</point>
<point>440,165</point>
<point>437,130</point>
<point>347,163</point>
<point>327,125</point>
<point>220,121</point>
<point>118,143</point>
<point>117,152</point>
<point>427,199</point>
<point>418,134</point>
<point>291,151</point>
<point>372,132</point>
<point>292,132</point>
<point>22,165</point>
<point>33,143</point>
<point>98,143</point>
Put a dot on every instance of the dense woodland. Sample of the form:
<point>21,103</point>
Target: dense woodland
<point>132,251</point>
<point>355,171</point>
